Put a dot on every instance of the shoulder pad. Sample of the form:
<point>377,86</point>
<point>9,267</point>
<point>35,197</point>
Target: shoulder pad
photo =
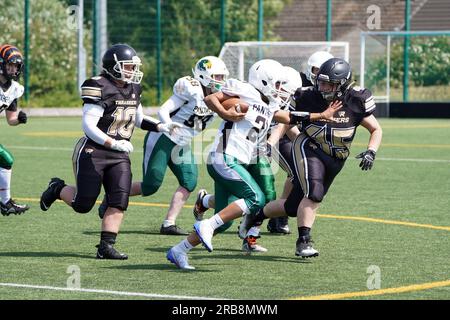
<point>364,98</point>
<point>91,89</point>
<point>186,87</point>
<point>18,89</point>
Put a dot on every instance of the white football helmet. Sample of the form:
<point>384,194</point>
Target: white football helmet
<point>292,82</point>
<point>211,72</point>
<point>267,76</point>
<point>316,60</point>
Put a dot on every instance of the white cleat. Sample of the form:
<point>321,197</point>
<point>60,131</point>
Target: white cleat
<point>179,258</point>
<point>205,232</point>
<point>249,246</point>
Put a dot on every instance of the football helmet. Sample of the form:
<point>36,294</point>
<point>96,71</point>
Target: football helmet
<point>122,63</point>
<point>315,61</point>
<point>267,76</point>
<point>292,82</point>
<point>10,55</point>
<point>337,72</point>
<point>211,72</point>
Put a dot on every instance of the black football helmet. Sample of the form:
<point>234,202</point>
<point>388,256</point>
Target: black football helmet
<point>122,63</point>
<point>10,55</point>
<point>335,71</point>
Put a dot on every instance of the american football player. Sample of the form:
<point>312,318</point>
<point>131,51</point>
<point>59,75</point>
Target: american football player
<point>321,149</point>
<point>187,109</point>
<point>111,110</point>
<point>11,65</point>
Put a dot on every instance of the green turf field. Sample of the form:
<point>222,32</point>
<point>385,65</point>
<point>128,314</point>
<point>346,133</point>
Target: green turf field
<point>395,217</point>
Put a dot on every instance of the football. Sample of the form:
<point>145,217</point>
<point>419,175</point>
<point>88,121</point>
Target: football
<point>238,104</point>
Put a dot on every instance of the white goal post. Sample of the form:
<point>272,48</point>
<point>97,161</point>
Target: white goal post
<point>239,56</point>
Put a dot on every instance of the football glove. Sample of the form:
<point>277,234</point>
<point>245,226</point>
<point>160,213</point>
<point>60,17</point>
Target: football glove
<point>122,145</point>
<point>368,157</point>
<point>22,117</point>
<point>168,127</point>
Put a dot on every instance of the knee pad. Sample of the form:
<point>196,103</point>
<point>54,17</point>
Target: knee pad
<point>316,192</point>
<point>83,205</point>
<point>189,185</point>
<point>6,158</point>
<point>150,188</point>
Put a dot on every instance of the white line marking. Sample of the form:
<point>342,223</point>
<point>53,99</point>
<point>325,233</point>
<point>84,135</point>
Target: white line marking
<point>119,293</point>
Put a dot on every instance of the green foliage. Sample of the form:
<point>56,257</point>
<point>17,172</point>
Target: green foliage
<point>429,63</point>
<point>53,49</point>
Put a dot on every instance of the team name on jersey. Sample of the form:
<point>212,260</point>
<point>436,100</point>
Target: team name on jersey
<point>202,111</point>
<point>342,118</point>
<point>262,110</point>
<point>126,102</point>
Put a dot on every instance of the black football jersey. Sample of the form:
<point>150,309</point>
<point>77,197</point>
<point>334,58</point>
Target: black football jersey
<point>119,104</point>
<point>305,81</point>
<point>335,138</point>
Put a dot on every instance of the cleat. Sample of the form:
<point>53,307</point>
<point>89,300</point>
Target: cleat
<point>248,221</point>
<point>304,248</point>
<point>249,245</point>
<point>179,258</point>
<point>51,194</point>
<point>172,230</point>
<point>11,207</point>
<point>205,232</point>
<point>107,251</point>
<point>199,208</point>
<point>102,208</point>
<point>278,225</point>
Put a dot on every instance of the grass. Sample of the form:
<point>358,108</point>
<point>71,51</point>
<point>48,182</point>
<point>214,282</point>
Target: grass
<point>410,182</point>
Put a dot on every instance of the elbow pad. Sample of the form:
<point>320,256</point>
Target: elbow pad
<point>297,117</point>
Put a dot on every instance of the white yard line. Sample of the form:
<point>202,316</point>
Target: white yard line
<point>112,292</point>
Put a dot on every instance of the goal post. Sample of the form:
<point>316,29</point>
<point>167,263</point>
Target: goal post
<point>239,56</point>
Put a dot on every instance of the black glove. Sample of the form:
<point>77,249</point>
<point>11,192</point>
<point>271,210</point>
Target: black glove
<point>22,117</point>
<point>368,157</point>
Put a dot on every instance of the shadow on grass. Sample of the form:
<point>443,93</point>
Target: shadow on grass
<point>161,267</point>
<point>142,232</point>
<point>38,254</point>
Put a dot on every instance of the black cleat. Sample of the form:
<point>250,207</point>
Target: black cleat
<point>11,207</point>
<point>199,209</point>
<point>102,208</point>
<point>107,251</point>
<point>278,225</point>
<point>172,230</point>
<point>52,193</point>
<point>305,249</point>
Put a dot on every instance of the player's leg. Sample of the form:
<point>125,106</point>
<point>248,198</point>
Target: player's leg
<point>117,183</point>
<point>7,204</point>
<point>183,166</point>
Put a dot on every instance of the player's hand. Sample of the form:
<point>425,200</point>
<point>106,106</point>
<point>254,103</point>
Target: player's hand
<point>22,117</point>
<point>122,145</point>
<point>169,128</point>
<point>232,115</point>
<point>334,106</point>
<point>368,158</point>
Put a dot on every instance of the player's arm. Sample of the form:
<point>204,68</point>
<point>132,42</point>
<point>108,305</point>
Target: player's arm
<point>214,102</point>
<point>376,133</point>
<point>172,104</point>
<point>293,132</point>
<point>15,117</point>
<point>151,124</point>
<point>297,117</point>
<point>368,157</point>
<point>277,133</point>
